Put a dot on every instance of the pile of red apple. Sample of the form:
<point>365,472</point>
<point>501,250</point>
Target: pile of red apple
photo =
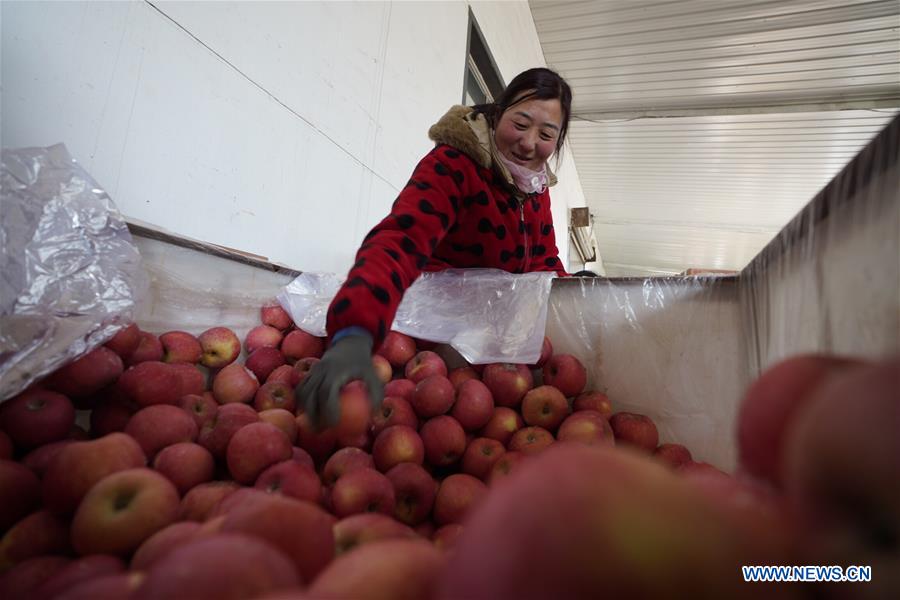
<point>200,477</point>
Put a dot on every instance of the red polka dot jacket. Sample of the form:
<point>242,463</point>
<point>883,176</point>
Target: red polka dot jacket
<point>458,210</point>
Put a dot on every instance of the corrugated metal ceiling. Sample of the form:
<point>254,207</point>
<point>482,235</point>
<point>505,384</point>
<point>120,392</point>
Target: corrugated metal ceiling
<point>702,126</point>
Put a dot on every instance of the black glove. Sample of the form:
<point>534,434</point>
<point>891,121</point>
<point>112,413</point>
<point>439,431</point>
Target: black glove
<point>348,359</point>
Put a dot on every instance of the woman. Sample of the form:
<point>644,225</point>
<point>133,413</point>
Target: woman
<point>478,199</point>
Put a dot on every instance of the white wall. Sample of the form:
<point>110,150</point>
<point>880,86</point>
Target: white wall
<point>284,129</point>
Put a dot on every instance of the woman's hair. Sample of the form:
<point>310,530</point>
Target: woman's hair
<point>538,83</point>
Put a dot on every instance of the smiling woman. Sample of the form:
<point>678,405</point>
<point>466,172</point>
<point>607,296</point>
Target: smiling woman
<point>479,199</point>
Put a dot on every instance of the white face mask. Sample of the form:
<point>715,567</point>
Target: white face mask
<point>528,181</point>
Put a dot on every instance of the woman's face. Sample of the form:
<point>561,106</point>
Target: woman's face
<point>527,132</point>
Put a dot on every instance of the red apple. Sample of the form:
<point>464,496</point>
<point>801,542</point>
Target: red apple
<point>162,542</point>
<point>301,370</point>
<point>20,582</point>
<point>180,347</point>
<point>262,336</point>
<point>502,425</point>
<point>186,465</point>
<point>354,531</point>
<point>401,388</point>
<point>505,465</point>
<point>461,374</point>
<point>566,373</point>
<point>37,534</point>
<point>202,408</point>
<point>156,427</point>
<point>343,461</point>
<point>433,396</point>
<point>125,341</point>
<point>474,405</point>
<point>356,415</point>
<point>299,344</point>
<point>79,571</point>
<point>79,465</point>
<point>292,479</point>
<point>88,375</point>
<point>444,440</point>
<point>37,417</point>
<point>673,455</point>
<point>111,414</point>
<point>318,443</point>
<point>545,406</point>
<point>274,394</point>
<point>394,411</point>
<point>220,347</point>
<point>414,492</point>
<point>507,382</point>
<point>215,434</point>
<point>457,496</point>
<point>530,440</point>
<point>255,447</point>
<point>395,445</point>
<point>122,510</point>
<point>637,431</point>
<point>275,316</point>
<point>235,383</point>
<point>149,348</point>
<point>363,490</point>
<point>593,400</point>
<point>39,459</point>
<point>202,499</point>
<point>425,364</point>
<point>283,420</point>
<point>116,585</point>
<point>586,427</point>
<point>398,349</point>
<point>283,374</point>
<point>480,456</point>
<point>150,382</point>
<point>263,361</point>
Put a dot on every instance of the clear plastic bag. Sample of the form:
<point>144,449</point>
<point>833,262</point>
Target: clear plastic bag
<point>487,315</point>
<point>70,275</point>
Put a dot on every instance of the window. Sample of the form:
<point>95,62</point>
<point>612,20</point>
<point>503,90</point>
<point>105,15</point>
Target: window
<point>482,81</point>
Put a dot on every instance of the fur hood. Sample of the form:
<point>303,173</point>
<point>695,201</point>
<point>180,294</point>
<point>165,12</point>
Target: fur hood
<point>471,134</point>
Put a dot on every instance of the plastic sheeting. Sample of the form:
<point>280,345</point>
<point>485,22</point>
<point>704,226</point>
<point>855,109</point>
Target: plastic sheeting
<point>486,315</point>
<point>69,274</point>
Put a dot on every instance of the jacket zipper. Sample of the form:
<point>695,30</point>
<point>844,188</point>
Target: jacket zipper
<point>525,257</point>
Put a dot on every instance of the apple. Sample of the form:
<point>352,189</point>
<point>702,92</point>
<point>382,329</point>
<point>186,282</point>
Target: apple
<point>445,538</point>
<point>180,347</point>
<point>162,542</point>
<point>546,353</point>
<point>262,336</point>
<point>593,400</point>
<point>116,585</point>
<point>433,396</point>
<point>301,370</point>
<point>111,414</point>
<point>39,459</point>
<point>362,490</point>
<point>125,341</point>
<point>283,420</point>
<point>318,443</point>
<point>383,369</point>
<point>398,349</point>
<point>161,425</point>
<point>263,361</point>
<point>635,430</point>
<point>186,465</point>
<point>444,440</point>
<point>425,364</point>
<point>343,461</point>
<point>507,382</point>
<point>566,373</point>
<point>292,479</point>
<point>202,499</point>
<point>20,582</point>
<point>216,433</point>
<point>274,394</point>
<point>414,492</point>
<point>399,569</point>
<point>480,456</point>
<point>37,534</point>
<point>255,447</point>
<point>356,415</point>
<point>770,404</point>
<point>461,374</point>
<point>586,427</point>
<point>505,465</point>
<point>202,408</point>
<point>502,425</point>
<point>79,465</point>
<point>223,565</point>
<point>673,455</point>
<point>149,348</point>
<point>401,388</point>
<point>397,444</point>
<point>37,417</point>
<point>274,315</point>
<point>283,374</point>
<point>545,406</point>
<point>79,571</point>
<point>457,495</point>
<point>235,383</point>
<point>474,405</point>
<point>302,530</point>
<point>354,531</point>
<point>394,411</point>
<point>641,532</point>
<point>150,382</point>
<point>122,510</point>
<point>298,345</point>
<point>530,440</point>
<point>87,375</point>
<point>220,347</point>
<point>302,456</point>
